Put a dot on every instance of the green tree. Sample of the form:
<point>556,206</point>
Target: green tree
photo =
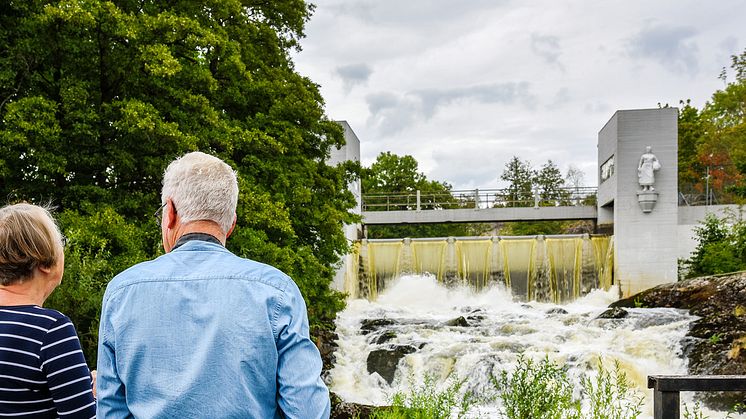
<point>519,176</point>
<point>712,141</point>
<point>392,182</point>
<point>691,133</point>
<point>96,97</point>
<point>550,183</point>
<point>721,246</point>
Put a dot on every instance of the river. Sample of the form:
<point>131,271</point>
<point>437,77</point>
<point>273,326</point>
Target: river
<point>458,334</point>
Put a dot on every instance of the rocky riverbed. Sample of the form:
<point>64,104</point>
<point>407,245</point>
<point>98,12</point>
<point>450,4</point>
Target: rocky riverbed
<point>474,335</point>
<point>716,342</point>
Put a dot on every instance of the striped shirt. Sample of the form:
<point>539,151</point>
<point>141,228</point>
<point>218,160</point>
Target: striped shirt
<point>43,373</point>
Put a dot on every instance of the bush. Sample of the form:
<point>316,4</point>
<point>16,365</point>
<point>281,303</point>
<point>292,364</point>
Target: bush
<point>425,402</point>
<point>536,391</point>
<point>100,244</point>
<point>610,395</point>
<point>721,246</point>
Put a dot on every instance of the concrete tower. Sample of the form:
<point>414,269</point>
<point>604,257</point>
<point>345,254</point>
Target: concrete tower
<point>645,238</point>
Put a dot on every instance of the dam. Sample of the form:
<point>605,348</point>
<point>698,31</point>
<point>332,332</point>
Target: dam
<point>553,269</point>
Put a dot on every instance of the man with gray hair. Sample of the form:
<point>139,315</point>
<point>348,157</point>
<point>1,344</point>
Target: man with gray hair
<point>200,332</point>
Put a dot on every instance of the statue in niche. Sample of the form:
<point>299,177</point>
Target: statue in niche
<point>649,164</point>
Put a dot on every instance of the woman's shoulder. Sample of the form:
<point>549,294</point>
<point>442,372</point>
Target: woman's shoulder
<point>35,315</point>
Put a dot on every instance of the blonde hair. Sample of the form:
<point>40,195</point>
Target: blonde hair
<point>29,238</point>
<point>202,187</point>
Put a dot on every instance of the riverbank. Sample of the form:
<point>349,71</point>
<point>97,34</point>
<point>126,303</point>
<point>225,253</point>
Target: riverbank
<point>716,342</point>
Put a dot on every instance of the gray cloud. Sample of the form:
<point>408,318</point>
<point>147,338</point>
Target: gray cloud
<point>672,47</point>
<point>548,48</point>
<point>391,113</point>
<point>410,12</point>
<point>354,74</point>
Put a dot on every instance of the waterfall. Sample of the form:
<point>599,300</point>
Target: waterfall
<point>542,268</point>
<point>417,312</point>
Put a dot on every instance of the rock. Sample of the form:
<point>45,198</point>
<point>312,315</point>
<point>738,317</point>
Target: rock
<point>346,410</point>
<point>371,325</point>
<point>326,342</point>
<point>385,361</point>
<point>557,310</point>
<point>716,343</point>
<point>458,321</point>
<point>614,313</point>
<point>384,337</point>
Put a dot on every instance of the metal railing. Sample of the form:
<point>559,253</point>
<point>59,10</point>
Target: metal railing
<point>478,199</point>
<point>666,389</point>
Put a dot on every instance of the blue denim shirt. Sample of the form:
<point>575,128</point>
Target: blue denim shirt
<point>202,333</point>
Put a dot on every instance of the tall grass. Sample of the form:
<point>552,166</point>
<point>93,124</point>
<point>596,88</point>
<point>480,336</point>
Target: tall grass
<point>536,391</point>
<point>610,395</point>
<point>426,402</point>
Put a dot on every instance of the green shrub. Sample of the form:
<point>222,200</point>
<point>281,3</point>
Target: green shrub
<point>536,391</point>
<point>721,246</point>
<point>425,402</point>
<point>695,413</point>
<point>610,395</point>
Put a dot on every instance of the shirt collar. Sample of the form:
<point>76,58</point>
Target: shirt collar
<point>196,236</point>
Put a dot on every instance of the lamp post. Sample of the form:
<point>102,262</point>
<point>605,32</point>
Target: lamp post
<point>707,186</point>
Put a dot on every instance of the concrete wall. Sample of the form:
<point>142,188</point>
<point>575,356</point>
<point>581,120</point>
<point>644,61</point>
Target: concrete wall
<point>690,218</point>
<point>349,152</point>
<point>645,244</point>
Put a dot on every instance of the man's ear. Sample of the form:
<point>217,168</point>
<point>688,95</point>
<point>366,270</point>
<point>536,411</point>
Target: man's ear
<point>233,225</point>
<point>171,212</point>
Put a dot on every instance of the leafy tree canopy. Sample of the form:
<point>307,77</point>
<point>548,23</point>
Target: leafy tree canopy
<point>712,141</point>
<point>97,97</point>
<point>391,183</point>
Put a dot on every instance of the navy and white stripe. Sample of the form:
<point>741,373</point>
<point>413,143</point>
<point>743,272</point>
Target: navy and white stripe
<point>43,373</point>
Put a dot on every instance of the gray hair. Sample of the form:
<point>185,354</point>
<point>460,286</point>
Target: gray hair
<point>202,187</point>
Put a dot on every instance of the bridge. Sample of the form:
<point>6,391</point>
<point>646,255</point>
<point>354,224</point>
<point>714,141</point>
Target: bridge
<point>479,206</point>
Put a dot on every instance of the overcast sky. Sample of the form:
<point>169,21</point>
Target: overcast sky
<point>465,85</point>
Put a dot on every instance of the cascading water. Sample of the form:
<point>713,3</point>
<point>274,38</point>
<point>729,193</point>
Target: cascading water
<point>543,268</point>
<point>457,332</point>
<point>467,308</point>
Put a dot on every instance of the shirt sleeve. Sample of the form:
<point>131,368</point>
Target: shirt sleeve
<point>302,393</point>
<point>109,387</point>
<point>68,376</point>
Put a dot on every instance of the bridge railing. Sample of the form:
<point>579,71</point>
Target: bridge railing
<point>478,199</point>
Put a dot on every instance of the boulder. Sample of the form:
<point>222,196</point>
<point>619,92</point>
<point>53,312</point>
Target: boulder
<point>716,342</point>
<point>614,313</point>
<point>384,361</point>
<point>371,325</point>
<point>458,321</point>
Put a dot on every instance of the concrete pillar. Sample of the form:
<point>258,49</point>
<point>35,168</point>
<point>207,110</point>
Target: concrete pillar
<point>645,244</point>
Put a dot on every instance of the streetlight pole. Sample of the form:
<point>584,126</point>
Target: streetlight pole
<point>707,187</point>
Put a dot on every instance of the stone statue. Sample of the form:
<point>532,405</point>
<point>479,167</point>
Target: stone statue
<point>649,164</point>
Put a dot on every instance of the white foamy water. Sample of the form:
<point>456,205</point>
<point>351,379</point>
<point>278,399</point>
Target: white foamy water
<point>647,342</point>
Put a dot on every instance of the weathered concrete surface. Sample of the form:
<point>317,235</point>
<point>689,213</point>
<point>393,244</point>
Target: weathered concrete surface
<point>716,343</point>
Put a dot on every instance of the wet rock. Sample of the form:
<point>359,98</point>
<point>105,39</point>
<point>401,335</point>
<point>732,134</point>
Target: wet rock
<point>557,310</point>
<point>614,313</point>
<point>458,321</point>
<point>347,410</point>
<point>384,337</point>
<point>371,325</point>
<point>326,342</point>
<point>716,343</point>
<point>385,361</point>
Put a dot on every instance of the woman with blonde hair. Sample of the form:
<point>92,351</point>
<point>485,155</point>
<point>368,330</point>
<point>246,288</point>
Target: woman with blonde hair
<point>43,373</point>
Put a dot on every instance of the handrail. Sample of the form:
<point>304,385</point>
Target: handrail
<point>666,389</point>
<point>478,198</point>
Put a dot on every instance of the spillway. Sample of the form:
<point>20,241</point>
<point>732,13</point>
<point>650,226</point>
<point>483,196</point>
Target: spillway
<point>535,268</point>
